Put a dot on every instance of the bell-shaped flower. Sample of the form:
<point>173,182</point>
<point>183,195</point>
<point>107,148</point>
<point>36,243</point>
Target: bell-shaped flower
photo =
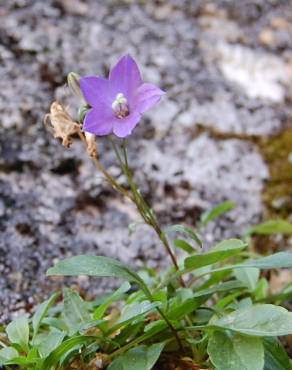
<point>117,103</point>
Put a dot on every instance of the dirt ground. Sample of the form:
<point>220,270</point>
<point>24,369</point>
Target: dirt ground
<point>226,67</point>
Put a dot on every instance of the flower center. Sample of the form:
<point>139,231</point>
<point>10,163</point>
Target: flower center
<point>120,106</point>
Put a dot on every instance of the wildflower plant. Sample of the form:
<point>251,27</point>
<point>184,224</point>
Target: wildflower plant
<point>209,310</point>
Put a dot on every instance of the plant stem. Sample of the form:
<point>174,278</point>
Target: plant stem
<point>144,209</point>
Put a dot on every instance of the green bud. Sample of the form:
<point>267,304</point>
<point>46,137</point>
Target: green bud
<point>73,83</point>
<point>82,112</point>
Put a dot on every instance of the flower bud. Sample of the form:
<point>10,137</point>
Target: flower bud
<point>82,112</point>
<point>74,85</point>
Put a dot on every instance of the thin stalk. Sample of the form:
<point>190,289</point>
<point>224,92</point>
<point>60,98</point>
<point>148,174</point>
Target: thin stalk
<point>109,178</point>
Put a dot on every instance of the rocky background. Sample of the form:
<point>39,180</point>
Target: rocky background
<point>227,70</point>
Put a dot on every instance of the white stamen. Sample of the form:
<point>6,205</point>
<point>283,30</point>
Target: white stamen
<point>120,106</point>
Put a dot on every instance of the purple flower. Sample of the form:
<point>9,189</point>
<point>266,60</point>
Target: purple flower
<point>118,102</point>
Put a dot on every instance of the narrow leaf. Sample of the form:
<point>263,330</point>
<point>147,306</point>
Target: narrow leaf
<point>215,212</point>
<point>41,312</point>
<point>276,357</point>
<point>221,251</point>
<point>184,230</point>
<point>185,246</point>
<point>272,227</point>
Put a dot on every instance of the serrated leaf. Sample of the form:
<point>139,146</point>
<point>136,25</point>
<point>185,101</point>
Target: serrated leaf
<point>184,230</point>
<point>262,320</point>
<point>215,212</point>
<point>221,251</point>
<point>248,276</point>
<point>272,227</point>
<point>276,357</point>
<point>229,351</point>
<point>139,358</point>
<point>41,312</point>
<point>18,332</point>
<point>75,311</point>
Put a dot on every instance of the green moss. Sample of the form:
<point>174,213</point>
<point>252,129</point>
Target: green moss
<point>277,195</point>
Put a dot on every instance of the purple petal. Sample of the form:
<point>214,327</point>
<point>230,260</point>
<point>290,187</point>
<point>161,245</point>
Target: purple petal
<point>123,127</point>
<point>99,122</point>
<point>146,96</point>
<point>96,90</point>
<point>125,76</point>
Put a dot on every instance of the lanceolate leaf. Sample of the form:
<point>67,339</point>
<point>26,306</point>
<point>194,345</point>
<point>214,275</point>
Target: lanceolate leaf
<point>139,358</point>
<point>215,212</point>
<point>221,251</point>
<point>53,359</point>
<point>184,230</point>
<point>272,227</point>
<point>235,352</point>
<point>41,312</point>
<point>262,320</point>
<point>93,266</point>
<point>6,354</point>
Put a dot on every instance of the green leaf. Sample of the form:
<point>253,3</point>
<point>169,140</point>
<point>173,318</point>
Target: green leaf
<point>41,312</point>
<point>50,342</point>
<point>136,309</point>
<point>99,312</point>
<point>18,332</point>
<point>139,358</point>
<point>92,266</point>
<point>262,320</point>
<point>229,351</point>
<point>276,357</point>
<point>66,347</point>
<point>185,246</point>
<point>248,276</point>
<point>215,212</point>
<point>184,230</point>
<point>277,260</point>
<point>221,251</point>
<point>75,311</point>
<point>6,354</point>
<point>272,227</point>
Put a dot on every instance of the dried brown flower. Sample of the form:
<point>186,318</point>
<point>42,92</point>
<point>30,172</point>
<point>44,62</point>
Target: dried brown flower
<point>61,122</point>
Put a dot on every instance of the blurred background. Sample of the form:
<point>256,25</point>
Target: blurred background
<point>222,132</point>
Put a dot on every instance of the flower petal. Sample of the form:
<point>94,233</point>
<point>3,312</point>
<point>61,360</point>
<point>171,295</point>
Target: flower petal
<point>125,76</point>
<point>99,122</point>
<point>96,90</point>
<point>146,96</point>
<point>123,127</point>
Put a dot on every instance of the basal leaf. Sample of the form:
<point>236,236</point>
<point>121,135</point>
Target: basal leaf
<point>276,357</point>
<point>6,354</point>
<point>262,320</point>
<point>18,332</point>
<point>50,342</point>
<point>41,312</point>
<point>75,311</point>
<point>229,351</point>
<point>138,358</point>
